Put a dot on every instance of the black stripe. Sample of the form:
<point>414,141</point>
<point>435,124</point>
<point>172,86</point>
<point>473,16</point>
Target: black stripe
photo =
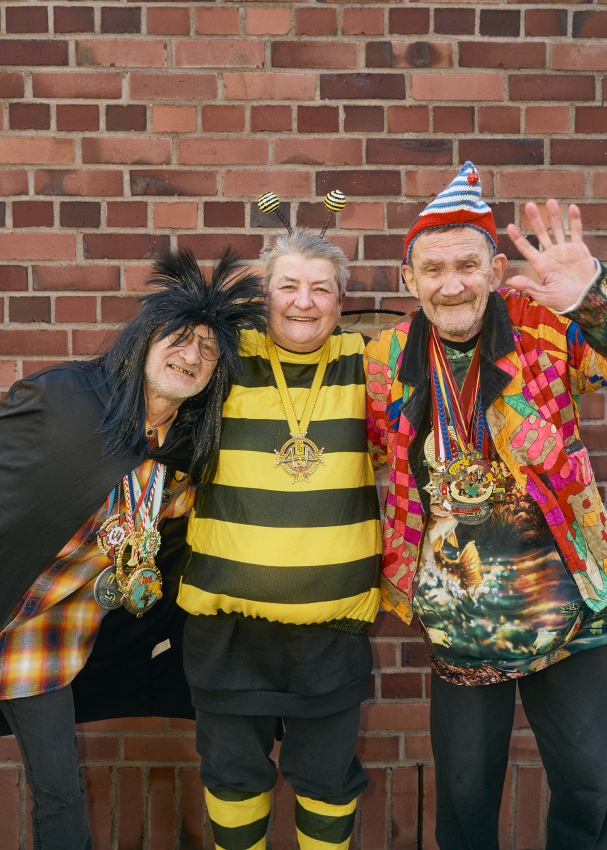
<point>265,435</point>
<point>233,796</point>
<point>283,585</point>
<point>346,370</point>
<point>295,509</point>
<point>333,830</point>
<point>240,837</point>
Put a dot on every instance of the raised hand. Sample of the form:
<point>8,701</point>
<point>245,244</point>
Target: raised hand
<point>564,268</point>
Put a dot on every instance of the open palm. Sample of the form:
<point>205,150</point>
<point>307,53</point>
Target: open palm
<point>564,268</point>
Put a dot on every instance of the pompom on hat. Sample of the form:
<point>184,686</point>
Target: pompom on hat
<point>459,204</point>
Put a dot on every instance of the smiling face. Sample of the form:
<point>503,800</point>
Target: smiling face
<point>174,373</point>
<point>304,304</point>
<point>452,273</point>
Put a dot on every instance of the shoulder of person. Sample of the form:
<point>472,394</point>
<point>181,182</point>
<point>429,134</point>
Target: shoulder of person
<point>534,318</point>
<point>55,382</point>
<point>388,341</point>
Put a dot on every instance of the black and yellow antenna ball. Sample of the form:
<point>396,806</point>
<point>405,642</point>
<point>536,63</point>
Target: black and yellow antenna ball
<point>335,201</point>
<point>269,203</point>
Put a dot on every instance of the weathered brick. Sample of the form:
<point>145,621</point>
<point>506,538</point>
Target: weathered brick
<point>454,21</point>
<point>73,308</point>
<point>87,278</point>
<point>170,182</point>
<point>29,116</point>
<point>502,151</point>
<point>270,118</point>
<point>115,19</point>
<point>541,184</point>
<point>373,279</point>
<point>314,54</point>
<point>26,19</point>
<point>79,117</point>
<point>117,308</point>
<point>318,151</point>
<point>223,119</point>
<point>266,86</point>
<point>9,803</point>
<point>121,118</point>
<point>91,342</point>
<point>150,53</point>
<point>401,685</point>
<point>11,84</point>
<point>556,87</point>
<point>374,815</point>
<point>409,21</point>
<point>262,20</point>
<point>589,24</point>
<point>453,119</point>
<point>364,118</point>
<point>318,119</point>
<point>13,278</point>
<point>590,119</point>
<point>418,54</point>
<point>174,119</point>
<point>295,183</point>
<point>405,807</point>
<point>361,21</point>
<point>362,217</point>
<point>173,86</point>
<point>418,747</point>
<point>311,214</point>
<point>571,152</point>
<point>163,21</point>
<point>504,54</point>
<point>500,119</point>
<point>105,86</point>
<point>8,376</point>
<point>500,22</point>
<point>410,151</point>
<point>126,150</point>
<point>98,786</point>
<point>32,214</point>
<point>402,215</point>
<point>317,22</point>
<point>127,214</point>
<point>540,22</point>
<point>115,246</point>
<point>31,52</point>
<point>548,119</point>
<point>191,825</point>
<point>29,308</point>
<point>212,246</point>
<point>222,151</point>
<point>28,342</point>
<point>422,183</point>
<point>79,214</point>
<point>579,57</point>
<point>457,86</point>
<point>408,119</point>
<point>162,807</point>
<point>226,214</point>
<point>529,807</point>
<point>34,149</point>
<point>377,748</point>
<point>80,182</point>
<point>362,86</point>
<point>13,181</point>
<point>217,21</point>
<point>175,215</point>
<point>592,404</point>
<point>74,19</point>
<point>359,182</point>
<point>220,53</point>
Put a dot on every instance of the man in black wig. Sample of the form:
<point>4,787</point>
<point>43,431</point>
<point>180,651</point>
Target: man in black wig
<point>97,460</point>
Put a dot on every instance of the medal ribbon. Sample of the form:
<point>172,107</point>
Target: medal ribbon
<point>464,409</point>
<point>298,428</point>
<point>148,496</point>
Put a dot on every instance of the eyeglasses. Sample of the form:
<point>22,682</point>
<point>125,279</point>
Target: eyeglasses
<point>207,345</point>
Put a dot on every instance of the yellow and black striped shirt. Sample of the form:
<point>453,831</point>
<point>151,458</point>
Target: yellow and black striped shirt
<point>261,546</point>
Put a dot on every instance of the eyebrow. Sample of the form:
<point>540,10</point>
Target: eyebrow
<point>465,259</point>
<point>296,280</point>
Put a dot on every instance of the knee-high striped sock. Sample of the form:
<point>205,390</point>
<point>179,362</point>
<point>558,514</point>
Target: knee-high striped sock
<point>322,826</point>
<point>239,820</point>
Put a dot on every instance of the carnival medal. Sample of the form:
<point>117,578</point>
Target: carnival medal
<point>112,533</point>
<point>106,592</point>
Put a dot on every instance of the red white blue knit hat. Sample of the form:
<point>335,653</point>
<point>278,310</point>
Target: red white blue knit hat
<point>459,204</point>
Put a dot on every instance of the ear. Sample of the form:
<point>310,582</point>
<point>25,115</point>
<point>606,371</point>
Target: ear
<point>500,261</point>
<point>342,298</point>
<point>410,280</point>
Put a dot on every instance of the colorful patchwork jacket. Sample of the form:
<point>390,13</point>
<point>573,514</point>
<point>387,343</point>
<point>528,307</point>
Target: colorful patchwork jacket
<point>534,366</point>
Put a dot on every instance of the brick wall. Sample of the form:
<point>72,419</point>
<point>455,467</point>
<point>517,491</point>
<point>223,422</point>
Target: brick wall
<point>130,126</point>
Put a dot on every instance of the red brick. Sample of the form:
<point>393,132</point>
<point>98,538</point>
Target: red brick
<point>318,119</point>
<point>454,21</point>
<point>29,116</point>
<point>226,214</point>
<point>377,748</point>
<point>364,118</point>
<point>22,52</point>
<point>383,247</point>
<point>589,24</point>
<point>31,341</point>
<point>3,214</point>
<point>290,184</point>
<point>85,278</point>
<point>160,748</point>
<point>423,183</point>
<point>361,21</point>
<point>362,86</point>
<point>418,747</point>
<point>163,21</point>
<point>311,214</point>
<point>223,119</point>
<point>99,805</point>
<point>541,184</point>
<point>499,119</point>
<point>314,54</point>
<point>529,808</point>
<point>579,57</point>
<point>70,308</point>
<point>71,116</point>
<point>503,151</point>
<point>175,215</point>
<point>26,149</point>
<point>162,807</point>
<point>318,151</point>
<point>97,747</point>
<point>453,119</point>
<point>173,86</point>
<point>217,21</point>
<point>80,214</point>
<point>548,119</point>
<point>599,465</point>
<point>571,152</point>
<point>269,86</point>
<point>402,215</point>
<point>74,19</point>
<point>384,654</point>
<point>270,118</point>
<point>222,151</point>
<point>124,53</point>
<point>26,19</point>
<point>121,118</point>
<point>284,836</point>
<point>599,185</point>
<point>457,86</point>
<point>268,20</point>
<point>127,214</point>
<point>500,23</point>
<point>29,368</point>
<point>212,246</point>
<point>28,308</point>
<point>348,244</point>
<point>507,54</point>
<point>594,217</point>
<point>359,182</point>
<point>8,376</point>
<point>374,813</point>
<point>173,119</point>
<point>429,808</point>
<point>92,342</point>
<point>410,151</point>
<point>120,20</point>
<point>117,308</point>
<point>318,22</point>
<point>104,246</point>
<point>11,84</point>
<point>13,278</point>
<point>362,217</point>
<point>124,150</point>
<point>540,22</point>
<point>93,85</point>
<point>401,685</point>
<point>135,277</point>
<point>555,87</point>
<point>594,436</point>
<point>418,54</point>
<point>592,405</point>
<point>85,182</point>
<point>405,785</point>
<point>219,53</point>
<point>191,826</point>
<point>415,654</point>
<point>130,807</point>
<point>409,21</point>
<point>170,182</point>
<point>9,749</point>
<point>589,119</point>
<point>32,214</point>
<point>408,119</point>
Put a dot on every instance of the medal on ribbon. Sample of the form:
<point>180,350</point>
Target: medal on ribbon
<point>112,533</point>
<point>299,456</point>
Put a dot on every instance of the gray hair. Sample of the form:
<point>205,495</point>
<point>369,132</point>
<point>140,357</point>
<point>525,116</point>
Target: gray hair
<point>303,243</point>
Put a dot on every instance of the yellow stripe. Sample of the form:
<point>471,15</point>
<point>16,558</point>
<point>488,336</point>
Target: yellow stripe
<point>256,470</point>
<point>260,845</point>
<point>231,813</point>
<point>307,843</point>
<point>252,344</point>
<point>334,402</point>
<point>317,807</point>
<point>361,607</point>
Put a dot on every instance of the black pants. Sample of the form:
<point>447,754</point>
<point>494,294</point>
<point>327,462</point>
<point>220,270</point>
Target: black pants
<point>317,756</point>
<point>566,705</point>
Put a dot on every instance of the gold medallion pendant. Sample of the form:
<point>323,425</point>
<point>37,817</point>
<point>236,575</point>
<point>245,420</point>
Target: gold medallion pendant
<point>299,457</point>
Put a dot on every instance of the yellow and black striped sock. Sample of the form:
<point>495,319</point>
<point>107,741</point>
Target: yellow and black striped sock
<point>322,826</point>
<point>239,820</point>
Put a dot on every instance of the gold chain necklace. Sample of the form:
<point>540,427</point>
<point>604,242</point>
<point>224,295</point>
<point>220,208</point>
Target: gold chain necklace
<point>299,456</point>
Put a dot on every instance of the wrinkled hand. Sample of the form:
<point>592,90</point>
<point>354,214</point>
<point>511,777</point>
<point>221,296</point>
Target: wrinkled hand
<point>564,268</point>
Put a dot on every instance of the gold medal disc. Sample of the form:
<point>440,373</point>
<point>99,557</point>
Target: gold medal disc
<point>299,458</point>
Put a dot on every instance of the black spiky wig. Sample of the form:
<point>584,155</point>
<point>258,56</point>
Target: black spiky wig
<point>182,299</point>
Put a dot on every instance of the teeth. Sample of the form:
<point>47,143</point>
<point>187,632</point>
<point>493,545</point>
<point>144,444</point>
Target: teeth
<point>172,366</point>
<point>301,318</point>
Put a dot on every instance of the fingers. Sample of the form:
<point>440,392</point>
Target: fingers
<point>575,223</point>
<point>537,223</point>
<point>524,246</point>
<point>523,284</point>
<point>556,220</point>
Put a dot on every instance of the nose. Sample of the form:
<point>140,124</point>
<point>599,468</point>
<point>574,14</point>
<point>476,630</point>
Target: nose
<point>303,299</point>
<point>451,283</point>
<point>191,353</point>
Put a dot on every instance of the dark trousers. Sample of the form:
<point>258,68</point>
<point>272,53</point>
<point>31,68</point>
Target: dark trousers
<point>566,705</point>
<point>45,730</point>
<point>317,756</point>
